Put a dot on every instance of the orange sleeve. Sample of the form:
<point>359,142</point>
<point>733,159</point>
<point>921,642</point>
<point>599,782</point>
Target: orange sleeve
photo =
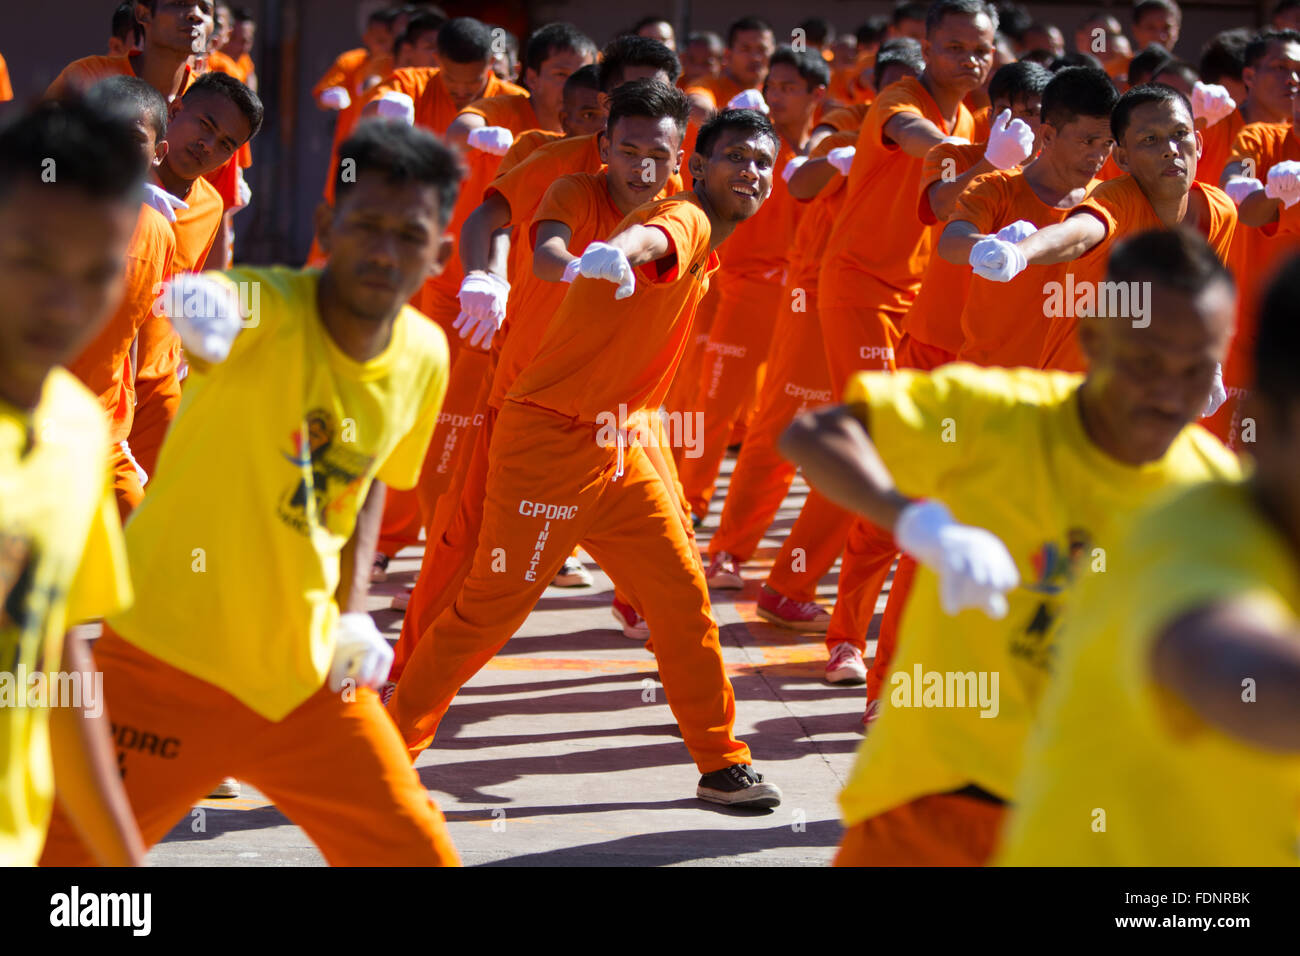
<point>521,185</point>
<point>567,201</point>
<point>6,89</point>
<point>897,98</point>
<point>983,204</point>
<point>407,80</point>
<point>524,146</point>
<point>687,229</point>
<point>340,71</point>
<point>1223,220</point>
<point>944,161</point>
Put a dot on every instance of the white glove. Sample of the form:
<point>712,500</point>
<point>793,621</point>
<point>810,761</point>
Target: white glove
<point>482,307</point>
<point>997,260</point>
<point>245,190</point>
<point>205,314</point>
<point>571,271</point>
<point>600,260</point>
<point>396,106</point>
<point>360,652</point>
<point>1211,103</point>
<point>956,140</point>
<point>335,98</point>
<point>1218,394</point>
<point>842,158</point>
<point>491,139</point>
<point>163,201</point>
<point>1011,142</point>
<point>748,100</point>
<point>1020,229</point>
<point>974,567</point>
<point>1239,187</point>
<point>1284,182</point>
<point>792,167</point>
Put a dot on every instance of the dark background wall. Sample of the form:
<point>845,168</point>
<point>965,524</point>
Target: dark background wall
<point>298,39</point>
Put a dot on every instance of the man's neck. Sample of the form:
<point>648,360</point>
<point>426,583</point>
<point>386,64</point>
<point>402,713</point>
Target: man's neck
<point>718,230</point>
<point>1052,184</point>
<point>162,69</point>
<point>948,100</point>
<point>1098,431</point>
<point>359,339</point>
<point>1171,212</point>
<point>796,134</point>
<point>180,188</point>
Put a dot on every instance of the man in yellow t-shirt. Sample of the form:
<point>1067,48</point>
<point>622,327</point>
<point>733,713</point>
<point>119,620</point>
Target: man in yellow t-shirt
<point>1171,736</point>
<point>250,654</point>
<point>63,263</point>
<point>1011,485</point>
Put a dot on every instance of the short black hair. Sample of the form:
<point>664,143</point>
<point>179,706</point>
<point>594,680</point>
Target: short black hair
<point>818,31</point>
<point>1076,59</point>
<point>131,98</point>
<point>403,154</point>
<point>422,23</point>
<point>811,67</point>
<point>385,15</point>
<point>241,15</point>
<point>908,10</point>
<point>962,8</point>
<point>225,85</point>
<point>1019,81</point>
<point>651,99</point>
<point>1013,21</point>
<point>125,26</point>
<point>583,78</point>
<point>900,51</point>
<point>544,42</point>
<point>1044,58</point>
<point>90,150</point>
<point>633,50</point>
<point>746,24</point>
<point>465,40</point>
<point>1141,9</point>
<point>1224,57</point>
<point>1257,48</point>
<point>1140,96</point>
<point>1147,64</point>
<point>1078,91</point>
<point>652,18</point>
<point>872,31</point>
<point>1179,68</point>
<point>750,121</point>
<point>1277,338</point>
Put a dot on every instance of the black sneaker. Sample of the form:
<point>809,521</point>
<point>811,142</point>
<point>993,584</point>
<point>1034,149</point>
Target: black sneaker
<point>738,786</point>
<point>696,521</point>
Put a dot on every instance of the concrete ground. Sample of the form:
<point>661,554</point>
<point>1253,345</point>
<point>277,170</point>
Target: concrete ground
<point>562,751</point>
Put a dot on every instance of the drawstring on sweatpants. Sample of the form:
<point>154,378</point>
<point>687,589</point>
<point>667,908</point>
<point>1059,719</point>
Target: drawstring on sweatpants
<point>618,471</point>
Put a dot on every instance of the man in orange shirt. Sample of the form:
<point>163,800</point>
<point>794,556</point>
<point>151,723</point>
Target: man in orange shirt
<point>576,210</point>
<point>561,469</point>
<point>702,58</point>
<point>753,295</point>
<point>870,276</point>
<point>240,45</point>
<point>124,33</point>
<point>744,67</point>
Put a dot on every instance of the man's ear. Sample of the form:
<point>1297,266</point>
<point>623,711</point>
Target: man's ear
<point>677,162</point>
<point>323,221</point>
<point>143,16</point>
<point>445,247</point>
<point>174,108</point>
<point>159,153</point>
<point>1121,156</point>
<point>602,144</point>
<point>1200,143</point>
<point>696,165</point>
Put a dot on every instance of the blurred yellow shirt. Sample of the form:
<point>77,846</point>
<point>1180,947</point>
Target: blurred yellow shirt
<point>258,487</point>
<point>62,562</point>
<point>1120,772</point>
<point>1005,450</point>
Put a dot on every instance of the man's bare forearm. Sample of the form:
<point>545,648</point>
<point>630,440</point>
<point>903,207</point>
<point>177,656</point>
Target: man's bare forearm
<point>358,555</point>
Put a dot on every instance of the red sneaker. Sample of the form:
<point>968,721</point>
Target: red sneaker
<point>633,624</point>
<point>807,616</point>
<point>724,573</point>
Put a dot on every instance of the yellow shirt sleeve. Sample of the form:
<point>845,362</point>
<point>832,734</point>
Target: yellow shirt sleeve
<point>102,585</point>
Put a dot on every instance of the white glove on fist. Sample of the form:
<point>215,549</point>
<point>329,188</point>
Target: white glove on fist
<point>1011,142</point>
<point>1211,103</point>
<point>205,314</point>
<point>842,158</point>
<point>1284,182</point>
<point>571,270</point>
<point>974,567</point>
<point>163,201</point>
<point>792,167</point>
<point>1218,394</point>
<point>360,652</point>
<point>491,139</point>
<point>1020,229</point>
<point>600,260</point>
<point>997,260</point>
<point>396,106</point>
<point>748,100</point>
<point>482,307</point>
<point>1239,187</point>
<point>335,98</point>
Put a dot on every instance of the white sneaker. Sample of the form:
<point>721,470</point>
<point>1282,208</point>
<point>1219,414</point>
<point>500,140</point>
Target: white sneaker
<point>846,666</point>
<point>633,624</point>
<point>724,573</point>
<point>228,787</point>
<point>572,575</point>
<point>386,691</point>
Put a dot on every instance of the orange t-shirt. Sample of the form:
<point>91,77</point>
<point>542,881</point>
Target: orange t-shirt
<point>81,75</point>
<point>600,354</point>
<point>582,202</point>
<point>1123,209</point>
<point>104,366</point>
<point>434,109</point>
<point>983,123</point>
<point>196,228</point>
<point>6,89</point>
<point>852,84</point>
<point>846,117</point>
<point>1110,169</point>
<point>352,70</point>
<point>245,63</point>
<point>721,87</point>
<point>514,111</point>
<point>815,225</point>
<point>341,72</point>
<point>935,316</point>
<point>1002,323</point>
<point>525,145</point>
<point>760,247</point>
<point>219,62</point>
<point>1216,144</point>
<point>1256,253</point>
<point>877,232</point>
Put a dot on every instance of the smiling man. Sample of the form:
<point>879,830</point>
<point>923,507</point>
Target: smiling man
<point>557,477</point>
<point>259,662</point>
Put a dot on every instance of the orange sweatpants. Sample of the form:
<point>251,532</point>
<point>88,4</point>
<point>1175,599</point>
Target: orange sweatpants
<point>337,769</point>
<point>157,389</point>
<point>126,480</point>
<point>810,549</point>
<point>734,361</point>
<point>551,485</point>
<point>796,380</point>
<point>861,324</point>
<point>943,829</point>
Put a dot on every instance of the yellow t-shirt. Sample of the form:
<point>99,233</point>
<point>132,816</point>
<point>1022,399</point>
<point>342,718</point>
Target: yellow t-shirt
<point>258,486</point>
<point>62,562</point>
<point>1005,450</point>
<point>1122,773</point>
